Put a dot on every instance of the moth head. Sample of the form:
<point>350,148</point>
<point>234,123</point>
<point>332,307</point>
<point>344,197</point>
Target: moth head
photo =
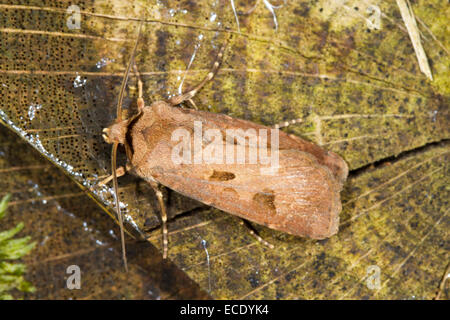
<point>116,132</point>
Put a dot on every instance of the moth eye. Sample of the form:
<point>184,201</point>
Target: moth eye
<point>266,199</point>
<point>221,176</point>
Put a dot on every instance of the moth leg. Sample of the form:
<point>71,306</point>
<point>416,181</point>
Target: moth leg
<point>193,104</point>
<point>287,123</point>
<point>254,234</point>
<point>191,93</point>
<point>140,100</point>
<point>157,188</point>
<point>120,171</point>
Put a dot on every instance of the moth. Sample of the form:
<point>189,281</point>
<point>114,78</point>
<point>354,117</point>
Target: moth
<point>301,196</point>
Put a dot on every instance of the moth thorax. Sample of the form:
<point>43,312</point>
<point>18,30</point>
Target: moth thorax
<point>116,132</point>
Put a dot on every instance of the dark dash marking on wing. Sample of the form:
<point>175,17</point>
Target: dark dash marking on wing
<point>221,176</point>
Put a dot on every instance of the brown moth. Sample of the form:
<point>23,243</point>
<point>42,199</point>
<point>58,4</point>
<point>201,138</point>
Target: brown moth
<point>300,197</point>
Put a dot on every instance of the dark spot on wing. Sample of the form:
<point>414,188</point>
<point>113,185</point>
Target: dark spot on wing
<point>221,176</point>
<point>265,199</point>
<point>231,192</point>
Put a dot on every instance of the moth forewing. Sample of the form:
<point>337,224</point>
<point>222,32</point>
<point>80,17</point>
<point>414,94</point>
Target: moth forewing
<point>301,197</point>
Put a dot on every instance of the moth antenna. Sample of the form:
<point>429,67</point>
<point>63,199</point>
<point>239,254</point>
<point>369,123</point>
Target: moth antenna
<point>191,93</point>
<point>116,196</point>
<point>125,77</point>
<point>116,144</point>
